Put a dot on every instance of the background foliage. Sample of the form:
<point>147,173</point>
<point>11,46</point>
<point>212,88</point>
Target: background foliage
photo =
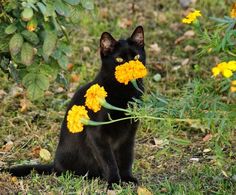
<point>35,34</point>
<point>189,157</point>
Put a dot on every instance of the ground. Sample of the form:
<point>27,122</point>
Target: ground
<point>170,158</point>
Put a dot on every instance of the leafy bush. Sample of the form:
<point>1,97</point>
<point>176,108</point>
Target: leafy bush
<point>34,45</point>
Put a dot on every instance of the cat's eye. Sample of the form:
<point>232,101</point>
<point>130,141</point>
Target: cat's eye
<point>119,60</point>
<point>137,57</point>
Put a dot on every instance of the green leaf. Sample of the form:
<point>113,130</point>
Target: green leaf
<point>49,43</point>
<point>62,8</point>
<point>72,2</point>
<point>15,44</point>
<point>27,54</point>
<point>87,4</point>
<point>27,14</point>
<point>49,70</point>
<point>63,61</point>
<point>35,83</point>
<point>180,141</point>
<point>34,92</point>
<point>42,8</point>
<point>31,37</point>
<point>10,29</point>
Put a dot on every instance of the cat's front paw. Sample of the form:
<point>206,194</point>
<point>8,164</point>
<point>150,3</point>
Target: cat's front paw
<point>129,178</point>
<point>111,182</point>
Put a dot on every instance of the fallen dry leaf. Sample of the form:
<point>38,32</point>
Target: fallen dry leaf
<point>207,137</point>
<point>24,104</point>
<point>155,48</point>
<point>8,146</point>
<point>206,150</point>
<point>86,49</point>
<point>70,66</point>
<point>74,78</point>
<point>45,154</point>
<point>189,48</point>
<point>16,91</point>
<point>125,23</point>
<point>185,62</point>
<point>143,191</point>
<point>35,151</point>
<point>2,94</point>
<point>188,34</point>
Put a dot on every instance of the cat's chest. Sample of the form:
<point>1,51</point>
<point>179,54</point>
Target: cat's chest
<point>120,133</point>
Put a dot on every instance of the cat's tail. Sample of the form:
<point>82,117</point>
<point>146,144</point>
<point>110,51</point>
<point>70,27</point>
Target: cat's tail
<point>24,170</point>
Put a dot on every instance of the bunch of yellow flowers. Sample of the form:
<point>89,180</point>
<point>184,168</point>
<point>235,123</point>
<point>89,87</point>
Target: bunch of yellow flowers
<point>95,96</point>
<point>191,17</point>
<point>225,68</point>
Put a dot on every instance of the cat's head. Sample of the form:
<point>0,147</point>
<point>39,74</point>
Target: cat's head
<point>114,53</point>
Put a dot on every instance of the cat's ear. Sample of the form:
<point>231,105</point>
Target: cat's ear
<point>138,36</point>
<point>107,43</point>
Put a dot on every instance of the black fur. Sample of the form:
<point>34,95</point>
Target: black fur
<point>101,151</point>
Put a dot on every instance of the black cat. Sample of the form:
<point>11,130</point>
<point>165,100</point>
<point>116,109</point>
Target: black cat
<point>101,151</point>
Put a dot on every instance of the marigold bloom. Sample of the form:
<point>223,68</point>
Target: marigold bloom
<point>191,17</point>
<point>233,11</point>
<point>222,66</point>
<point>129,71</point>
<point>233,83</point>
<point>232,65</point>
<point>215,71</point>
<point>233,89</point>
<point>94,95</point>
<point>74,116</point>
<point>227,73</point>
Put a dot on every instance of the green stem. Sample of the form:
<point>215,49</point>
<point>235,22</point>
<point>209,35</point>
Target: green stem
<point>96,123</point>
<point>105,104</point>
<point>135,84</point>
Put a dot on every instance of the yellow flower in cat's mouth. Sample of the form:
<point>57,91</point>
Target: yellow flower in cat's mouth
<point>94,97</point>
<point>129,71</point>
<point>74,118</point>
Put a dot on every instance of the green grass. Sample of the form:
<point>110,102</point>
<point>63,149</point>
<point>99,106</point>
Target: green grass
<point>164,150</point>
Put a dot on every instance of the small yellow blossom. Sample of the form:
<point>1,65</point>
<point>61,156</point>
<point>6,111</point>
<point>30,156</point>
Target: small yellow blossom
<point>232,65</point>
<point>233,83</point>
<point>215,71</point>
<point>227,73</point>
<point>222,66</point>
<point>74,116</point>
<point>31,28</point>
<point>191,17</point>
<point>233,89</point>
<point>129,71</point>
<point>233,11</point>
<point>94,95</point>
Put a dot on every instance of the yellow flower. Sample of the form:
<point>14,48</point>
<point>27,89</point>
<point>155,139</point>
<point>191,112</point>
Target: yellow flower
<point>191,17</point>
<point>94,96</point>
<point>74,116</point>
<point>129,71</point>
<point>232,65</point>
<point>233,89</point>
<point>227,73</point>
<point>215,71</point>
<point>233,83</point>
<point>222,66</point>
<point>31,28</point>
<point>233,11</point>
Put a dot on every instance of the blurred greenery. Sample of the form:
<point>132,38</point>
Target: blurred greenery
<point>171,157</point>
